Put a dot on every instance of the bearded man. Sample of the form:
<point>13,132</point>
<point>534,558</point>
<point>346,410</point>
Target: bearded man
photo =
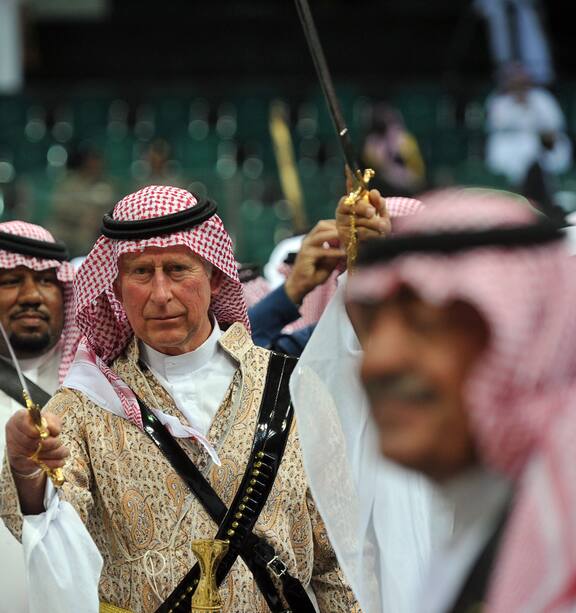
<point>36,310</point>
<point>177,427</point>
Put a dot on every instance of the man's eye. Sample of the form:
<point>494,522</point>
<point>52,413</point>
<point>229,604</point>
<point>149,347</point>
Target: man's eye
<point>9,281</point>
<point>48,281</point>
<point>177,268</point>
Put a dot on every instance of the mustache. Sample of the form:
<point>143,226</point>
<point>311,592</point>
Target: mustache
<point>30,311</point>
<point>400,387</point>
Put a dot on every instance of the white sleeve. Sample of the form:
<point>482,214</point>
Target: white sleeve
<point>63,564</point>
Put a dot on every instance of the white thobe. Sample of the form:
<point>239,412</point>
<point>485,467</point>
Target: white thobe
<point>197,381</point>
<point>13,599</point>
<point>513,143</point>
<point>478,498</point>
<point>383,521</point>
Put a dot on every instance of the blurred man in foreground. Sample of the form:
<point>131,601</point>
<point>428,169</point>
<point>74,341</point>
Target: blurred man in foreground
<point>383,521</point>
<point>469,359</point>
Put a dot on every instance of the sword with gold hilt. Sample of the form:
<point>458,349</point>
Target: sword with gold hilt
<point>360,178</point>
<point>55,474</point>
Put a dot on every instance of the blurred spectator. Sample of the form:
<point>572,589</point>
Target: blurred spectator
<point>526,140</point>
<point>314,266</point>
<point>157,166</point>
<point>255,286</point>
<point>11,60</point>
<point>275,267</point>
<point>80,199</point>
<point>393,152</point>
<point>517,33</point>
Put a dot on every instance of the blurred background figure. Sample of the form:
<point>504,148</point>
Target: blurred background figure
<point>283,254</point>
<point>526,137</point>
<point>285,317</point>
<point>157,166</point>
<point>255,286</point>
<point>11,63</point>
<point>393,152</point>
<point>517,32</point>
<point>80,199</point>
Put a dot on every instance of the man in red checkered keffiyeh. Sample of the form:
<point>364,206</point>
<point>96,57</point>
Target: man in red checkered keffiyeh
<point>167,375</point>
<point>466,318</point>
<point>27,246</point>
<point>101,316</point>
<point>37,312</point>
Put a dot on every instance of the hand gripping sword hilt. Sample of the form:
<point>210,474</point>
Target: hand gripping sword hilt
<point>56,474</point>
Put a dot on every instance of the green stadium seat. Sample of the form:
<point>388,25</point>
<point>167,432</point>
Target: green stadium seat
<point>90,114</point>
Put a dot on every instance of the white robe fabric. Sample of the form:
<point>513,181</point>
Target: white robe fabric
<point>478,498</point>
<point>383,521</point>
<point>13,591</point>
<point>513,141</point>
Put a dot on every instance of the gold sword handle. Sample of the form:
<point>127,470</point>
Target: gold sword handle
<point>56,474</point>
<point>354,196</point>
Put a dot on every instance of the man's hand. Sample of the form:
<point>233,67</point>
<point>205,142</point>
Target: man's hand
<point>23,438</point>
<point>372,219</point>
<point>315,261</point>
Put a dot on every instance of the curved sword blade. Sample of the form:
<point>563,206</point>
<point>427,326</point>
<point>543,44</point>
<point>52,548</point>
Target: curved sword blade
<point>327,84</point>
<point>14,359</point>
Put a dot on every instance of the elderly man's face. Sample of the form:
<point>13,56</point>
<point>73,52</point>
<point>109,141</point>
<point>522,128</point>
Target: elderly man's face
<point>166,294</point>
<point>416,359</point>
<point>31,309</point>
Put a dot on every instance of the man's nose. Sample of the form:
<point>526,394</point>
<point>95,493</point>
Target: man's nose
<point>30,292</point>
<point>161,292</point>
<point>388,347</point>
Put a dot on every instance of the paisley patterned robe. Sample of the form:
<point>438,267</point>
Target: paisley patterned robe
<point>143,518</point>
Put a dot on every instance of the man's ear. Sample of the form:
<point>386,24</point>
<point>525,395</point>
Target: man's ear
<point>216,281</point>
<point>116,288</point>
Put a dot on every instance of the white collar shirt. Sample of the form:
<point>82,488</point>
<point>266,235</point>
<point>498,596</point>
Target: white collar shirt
<point>197,380</point>
<point>478,498</point>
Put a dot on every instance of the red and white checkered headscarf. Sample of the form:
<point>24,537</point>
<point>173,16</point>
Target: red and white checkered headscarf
<point>64,273</point>
<point>101,316</point>
<point>521,394</point>
<point>255,290</point>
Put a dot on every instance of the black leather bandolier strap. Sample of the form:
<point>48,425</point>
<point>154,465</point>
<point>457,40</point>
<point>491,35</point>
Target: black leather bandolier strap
<point>10,385</point>
<point>237,522</point>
